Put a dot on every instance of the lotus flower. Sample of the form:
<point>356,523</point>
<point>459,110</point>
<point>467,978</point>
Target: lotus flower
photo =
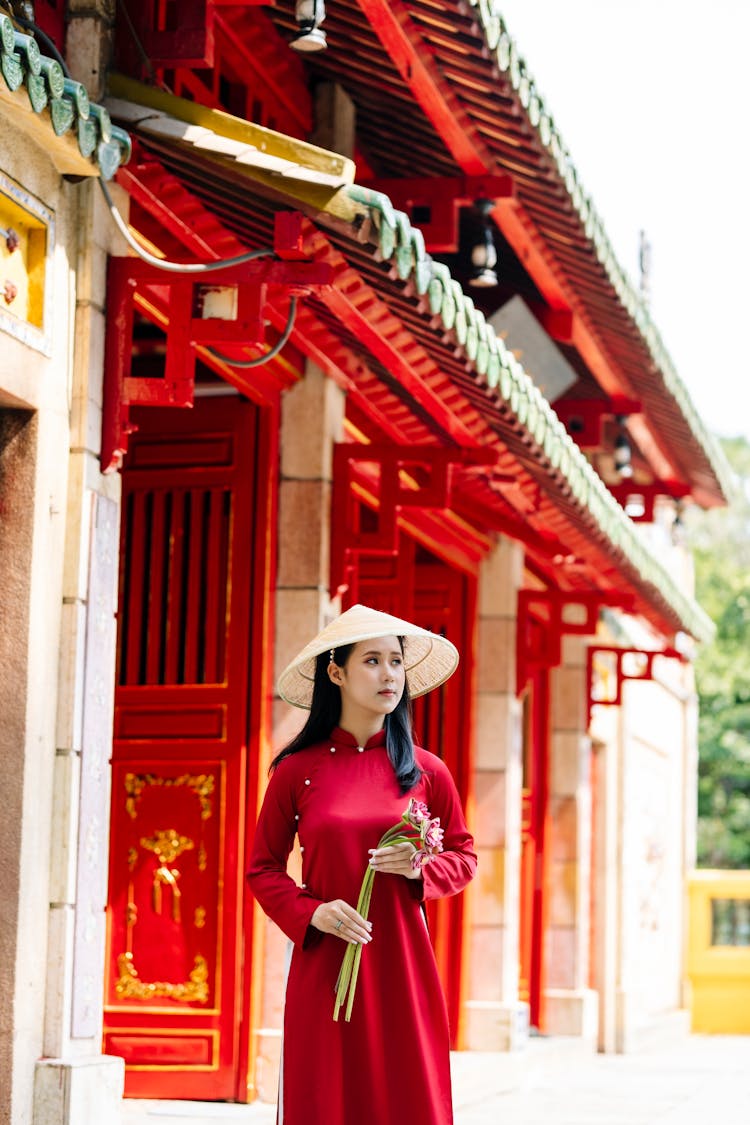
<point>417,826</point>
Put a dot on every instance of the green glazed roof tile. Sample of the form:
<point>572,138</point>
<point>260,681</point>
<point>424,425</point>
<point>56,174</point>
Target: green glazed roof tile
<point>63,101</point>
<point>447,300</point>
<point>11,69</point>
<point>62,115</point>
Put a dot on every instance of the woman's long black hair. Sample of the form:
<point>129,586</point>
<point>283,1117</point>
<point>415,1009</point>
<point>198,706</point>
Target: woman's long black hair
<point>325,712</point>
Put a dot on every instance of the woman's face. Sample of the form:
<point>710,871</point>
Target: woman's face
<point>373,678</point>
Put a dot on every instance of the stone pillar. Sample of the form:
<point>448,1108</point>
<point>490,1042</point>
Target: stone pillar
<point>312,416</point>
<point>335,119</point>
<point>606,883</point>
<point>75,1084</point>
<point>570,1005</point>
<point>493,1018</point>
<point>88,42</point>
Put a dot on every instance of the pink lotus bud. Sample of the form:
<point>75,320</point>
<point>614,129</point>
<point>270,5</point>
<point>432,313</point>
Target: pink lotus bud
<point>433,836</point>
<point>417,860</point>
<point>417,813</point>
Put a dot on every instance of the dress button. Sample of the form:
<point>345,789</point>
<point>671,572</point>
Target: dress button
<point>296,816</point>
<point>333,749</point>
<point>304,885</point>
<point>307,781</point>
<point>301,848</point>
<point>361,749</point>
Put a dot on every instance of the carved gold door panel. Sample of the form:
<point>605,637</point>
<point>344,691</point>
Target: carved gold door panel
<point>174,985</point>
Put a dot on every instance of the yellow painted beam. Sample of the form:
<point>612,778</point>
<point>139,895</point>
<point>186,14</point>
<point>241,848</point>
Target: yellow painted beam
<point>234,128</point>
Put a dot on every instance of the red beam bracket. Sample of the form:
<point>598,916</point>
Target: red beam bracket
<point>584,417</point>
<point>608,667</point>
<point>419,476</point>
<point>544,618</point>
<point>638,499</point>
<point>433,203</point>
<point>223,308</point>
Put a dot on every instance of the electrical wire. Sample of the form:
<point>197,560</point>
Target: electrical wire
<point>272,352</point>
<point>48,43</point>
<point>152,259</point>
<point>176,267</point>
<point>193,268</point>
<point>159,263</point>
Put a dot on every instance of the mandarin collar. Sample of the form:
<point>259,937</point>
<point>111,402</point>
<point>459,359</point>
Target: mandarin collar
<point>344,738</point>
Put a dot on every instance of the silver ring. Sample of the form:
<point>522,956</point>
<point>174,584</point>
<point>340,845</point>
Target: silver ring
<point>339,924</point>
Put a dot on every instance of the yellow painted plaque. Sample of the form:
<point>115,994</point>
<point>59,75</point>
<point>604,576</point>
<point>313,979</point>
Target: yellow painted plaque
<point>26,230</point>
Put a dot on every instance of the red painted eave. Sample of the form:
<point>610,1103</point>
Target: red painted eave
<point>371,332</point>
<point>432,101</point>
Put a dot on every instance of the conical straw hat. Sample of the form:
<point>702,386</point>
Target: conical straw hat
<point>429,659</point>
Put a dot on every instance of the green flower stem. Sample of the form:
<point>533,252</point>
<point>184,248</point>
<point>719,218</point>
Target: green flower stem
<point>353,984</point>
<point>346,982</point>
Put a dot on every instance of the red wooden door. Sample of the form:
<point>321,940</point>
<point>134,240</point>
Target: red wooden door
<point>180,752</point>
<point>420,587</point>
<point>533,817</point>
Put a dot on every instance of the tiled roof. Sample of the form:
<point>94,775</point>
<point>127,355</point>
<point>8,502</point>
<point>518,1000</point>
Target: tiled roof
<point>56,110</point>
<point>510,63</point>
<point>458,99</point>
<point>162,120</point>
<point>499,370</point>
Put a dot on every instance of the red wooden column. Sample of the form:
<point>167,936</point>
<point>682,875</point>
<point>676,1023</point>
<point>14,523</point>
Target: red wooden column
<point>533,904</point>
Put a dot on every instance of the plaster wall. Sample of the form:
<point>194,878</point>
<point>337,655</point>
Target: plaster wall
<point>644,847</point>
<point>657,774</point>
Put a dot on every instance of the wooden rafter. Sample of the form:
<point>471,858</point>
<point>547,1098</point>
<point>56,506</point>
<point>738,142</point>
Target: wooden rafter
<point>412,56</point>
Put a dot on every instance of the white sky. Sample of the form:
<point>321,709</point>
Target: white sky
<point>652,98</point>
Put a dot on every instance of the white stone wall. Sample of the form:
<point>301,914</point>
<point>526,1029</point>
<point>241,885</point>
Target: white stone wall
<point>69,676</point>
<point>644,847</point>
<point>42,384</point>
<point>656,778</point>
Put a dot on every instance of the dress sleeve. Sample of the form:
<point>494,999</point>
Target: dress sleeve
<point>449,872</point>
<point>289,906</point>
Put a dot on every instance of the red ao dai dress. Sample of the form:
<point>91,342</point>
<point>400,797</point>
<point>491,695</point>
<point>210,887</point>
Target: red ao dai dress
<point>391,1062</point>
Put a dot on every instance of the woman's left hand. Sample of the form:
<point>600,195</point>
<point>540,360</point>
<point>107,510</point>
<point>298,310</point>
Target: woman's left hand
<point>395,860</point>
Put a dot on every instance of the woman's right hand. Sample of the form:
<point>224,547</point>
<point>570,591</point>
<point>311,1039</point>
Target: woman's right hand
<point>342,920</point>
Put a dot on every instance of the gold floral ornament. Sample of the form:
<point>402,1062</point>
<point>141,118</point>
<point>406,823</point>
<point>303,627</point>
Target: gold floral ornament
<point>167,845</point>
<point>202,784</point>
<point>130,986</point>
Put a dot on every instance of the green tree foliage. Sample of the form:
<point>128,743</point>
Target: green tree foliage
<point>721,544</point>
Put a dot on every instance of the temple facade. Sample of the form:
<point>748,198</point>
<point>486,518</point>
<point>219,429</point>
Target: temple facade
<point>304,306</point>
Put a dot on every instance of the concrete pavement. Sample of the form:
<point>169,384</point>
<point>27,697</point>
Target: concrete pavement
<point>555,1082</point>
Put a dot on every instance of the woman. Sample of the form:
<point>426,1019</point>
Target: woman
<point>339,785</point>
